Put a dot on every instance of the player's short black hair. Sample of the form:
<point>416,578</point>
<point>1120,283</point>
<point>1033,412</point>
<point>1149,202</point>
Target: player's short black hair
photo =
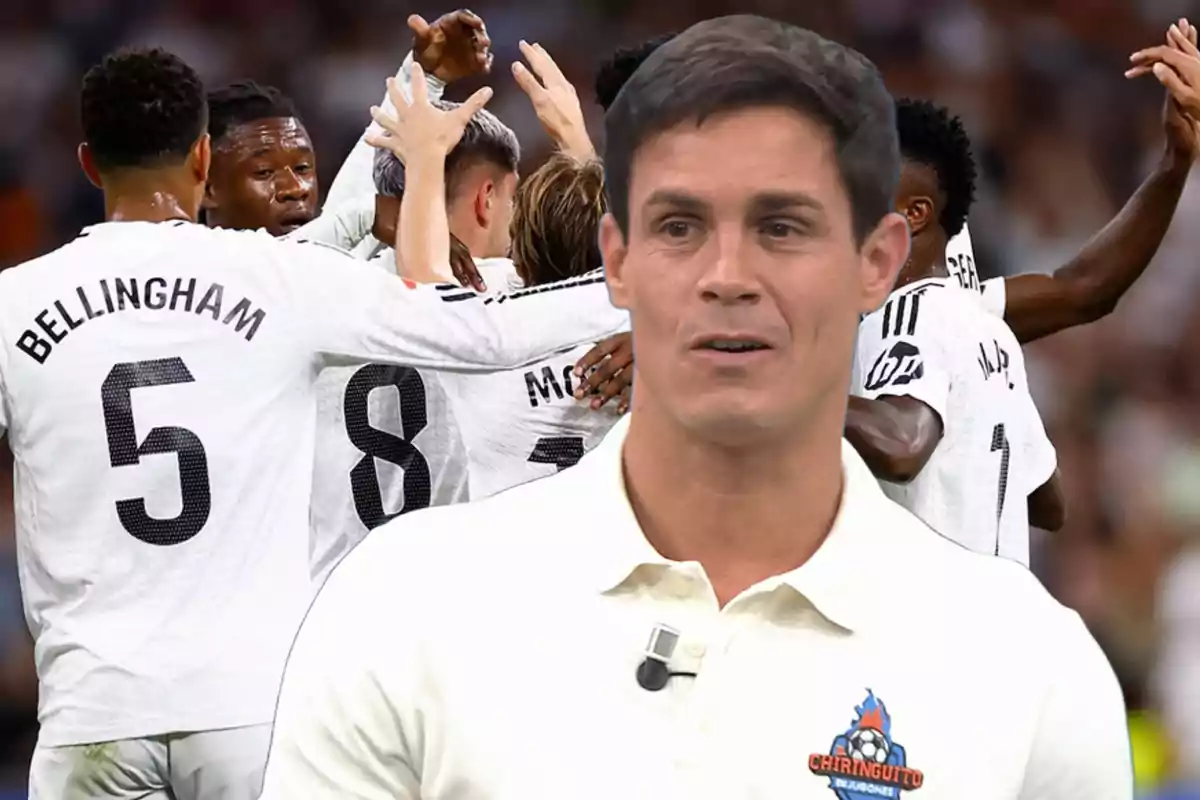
<point>931,135</point>
<point>746,61</point>
<point>620,66</point>
<point>141,107</point>
<point>245,101</point>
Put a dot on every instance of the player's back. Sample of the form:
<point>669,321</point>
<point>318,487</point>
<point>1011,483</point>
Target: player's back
<point>935,342</point>
<point>160,411</point>
<point>521,425</point>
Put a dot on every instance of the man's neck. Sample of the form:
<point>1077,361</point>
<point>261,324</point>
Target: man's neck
<point>927,260</point>
<point>744,514</point>
<point>137,200</point>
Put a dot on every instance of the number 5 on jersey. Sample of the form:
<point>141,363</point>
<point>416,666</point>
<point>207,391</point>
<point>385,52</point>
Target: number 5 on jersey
<point>116,398</point>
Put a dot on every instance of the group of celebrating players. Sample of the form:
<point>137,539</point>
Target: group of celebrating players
<point>330,396</point>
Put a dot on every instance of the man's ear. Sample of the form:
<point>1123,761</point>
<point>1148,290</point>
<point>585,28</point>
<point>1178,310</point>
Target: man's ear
<point>201,158</point>
<point>613,251</point>
<point>882,256</point>
<point>88,164</point>
<point>919,211</point>
<point>485,203</point>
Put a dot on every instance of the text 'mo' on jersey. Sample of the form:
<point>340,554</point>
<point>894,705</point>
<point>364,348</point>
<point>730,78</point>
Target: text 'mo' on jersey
<point>158,391</point>
<point>935,342</point>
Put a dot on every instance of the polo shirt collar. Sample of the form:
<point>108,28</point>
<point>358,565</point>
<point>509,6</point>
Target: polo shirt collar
<point>836,579</point>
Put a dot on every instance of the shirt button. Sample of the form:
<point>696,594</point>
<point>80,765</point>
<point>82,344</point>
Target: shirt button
<point>695,649</point>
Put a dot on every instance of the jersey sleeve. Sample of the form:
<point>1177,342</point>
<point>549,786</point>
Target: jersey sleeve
<point>357,313</point>
<point>995,296</point>
<point>337,734</point>
<point>344,225</point>
<point>899,355</point>
<point>355,178</point>
<point>1081,742</point>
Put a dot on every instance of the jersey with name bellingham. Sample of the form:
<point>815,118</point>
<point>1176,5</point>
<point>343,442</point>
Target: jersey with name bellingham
<point>933,342</point>
<point>388,443</point>
<point>158,392</point>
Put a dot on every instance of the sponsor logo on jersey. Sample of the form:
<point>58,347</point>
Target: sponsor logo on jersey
<point>864,762</point>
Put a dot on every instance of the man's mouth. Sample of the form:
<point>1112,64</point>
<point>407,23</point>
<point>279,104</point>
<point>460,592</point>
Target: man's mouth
<point>732,345</point>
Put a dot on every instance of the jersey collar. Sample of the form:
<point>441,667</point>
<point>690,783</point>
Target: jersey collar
<point>837,580</point>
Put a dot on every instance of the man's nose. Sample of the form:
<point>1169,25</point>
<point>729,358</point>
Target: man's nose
<point>291,187</point>
<point>729,277</point>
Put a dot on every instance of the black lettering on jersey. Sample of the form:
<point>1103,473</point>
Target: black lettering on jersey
<point>186,294</point>
<point>548,385</point>
<point>963,269</point>
<point>994,362</point>
<point>900,315</point>
<point>212,301</point>
<point>127,292</point>
<point>900,365</point>
<point>155,294</point>
<point>52,325</point>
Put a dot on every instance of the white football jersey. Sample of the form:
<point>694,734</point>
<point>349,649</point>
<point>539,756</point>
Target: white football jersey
<point>158,391</point>
<point>387,443</point>
<point>960,260</point>
<point>525,424</point>
<point>933,342</point>
<point>994,292</point>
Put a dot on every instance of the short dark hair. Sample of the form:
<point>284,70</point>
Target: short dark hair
<point>616,71</point>
<point>746,61</point>
<point>931,135</point>
<point>141,107</point>
<point>556,220</point>
<point>245,101</point>
<point>485,139</point>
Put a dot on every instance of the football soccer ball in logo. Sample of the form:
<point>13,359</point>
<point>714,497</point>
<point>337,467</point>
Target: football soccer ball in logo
<point>868,744</point>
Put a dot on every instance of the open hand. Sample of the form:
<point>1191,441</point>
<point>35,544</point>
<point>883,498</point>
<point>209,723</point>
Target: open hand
<point>606,372</point>
<point>455,46</point>
<point>420,129</point>
<point>554,101</point>
<point>1176,65</point>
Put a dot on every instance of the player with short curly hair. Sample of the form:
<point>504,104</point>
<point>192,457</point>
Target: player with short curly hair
<point>141,108</point>
<point>933,139</point>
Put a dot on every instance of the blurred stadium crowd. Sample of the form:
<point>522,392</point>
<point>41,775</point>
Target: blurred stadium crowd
<point>1062,140</point>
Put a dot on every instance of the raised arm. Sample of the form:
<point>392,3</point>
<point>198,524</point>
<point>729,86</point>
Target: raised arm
<point>1089,286</point>
<point>454,46</point>
<point>355,313</point>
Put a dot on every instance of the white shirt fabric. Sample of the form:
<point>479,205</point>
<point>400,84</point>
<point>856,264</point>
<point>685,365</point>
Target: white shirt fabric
<point>475,652</point>
<point>960,260</point>
<point>388,443</point>
<point>521,425</point>
<point>994,293</point>
<point>157,386</point>
<point>931,341</point>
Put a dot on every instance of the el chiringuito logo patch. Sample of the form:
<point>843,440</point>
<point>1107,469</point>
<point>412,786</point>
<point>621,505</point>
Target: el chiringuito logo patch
<point>865,762</point>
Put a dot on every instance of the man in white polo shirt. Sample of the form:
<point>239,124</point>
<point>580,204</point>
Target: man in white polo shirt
<point>719,601</point>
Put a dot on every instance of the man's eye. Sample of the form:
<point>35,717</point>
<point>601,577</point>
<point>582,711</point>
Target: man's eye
<point>303,169</point>
<point>779,229</point>
<point>263,174</point>
<point>677,228</point>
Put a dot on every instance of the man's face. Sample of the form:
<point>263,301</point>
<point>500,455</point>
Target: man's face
<point>742,274</point>
<point>264,175</point>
